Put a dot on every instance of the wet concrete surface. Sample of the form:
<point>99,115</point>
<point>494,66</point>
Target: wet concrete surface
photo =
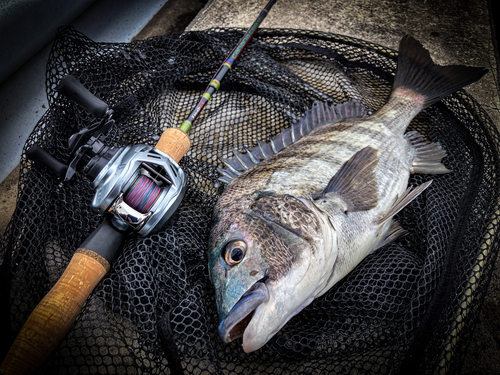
<point>175,16</point>
<point>455,32</point>
<point>8,197</point>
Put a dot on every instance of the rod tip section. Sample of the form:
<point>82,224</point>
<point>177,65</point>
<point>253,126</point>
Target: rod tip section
<point>174,142</point>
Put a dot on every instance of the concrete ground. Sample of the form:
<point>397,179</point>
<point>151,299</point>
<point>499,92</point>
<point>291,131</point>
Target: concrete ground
<point>454,31</point>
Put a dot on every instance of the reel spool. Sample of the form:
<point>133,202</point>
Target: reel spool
<point>142,195</point>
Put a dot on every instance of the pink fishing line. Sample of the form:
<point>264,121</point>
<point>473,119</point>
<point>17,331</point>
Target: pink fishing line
<point>142,195</point>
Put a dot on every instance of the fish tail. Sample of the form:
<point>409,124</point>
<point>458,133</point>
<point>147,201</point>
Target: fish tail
<point>417,72</point>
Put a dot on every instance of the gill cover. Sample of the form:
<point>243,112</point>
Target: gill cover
<point>277,232</point>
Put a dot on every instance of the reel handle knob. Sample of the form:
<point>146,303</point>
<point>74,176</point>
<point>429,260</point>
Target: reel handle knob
<point>42,157</point>
<point>56,313</point>
<point>74,90</point>
<point>174,142</point>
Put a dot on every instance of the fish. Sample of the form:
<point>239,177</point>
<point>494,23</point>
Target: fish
<point>303,210</point>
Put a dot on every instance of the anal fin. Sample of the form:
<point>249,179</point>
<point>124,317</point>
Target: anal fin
<point>395,231</point>
<point>355,183</point>
<point>428,155</point>
<point>401,202</point>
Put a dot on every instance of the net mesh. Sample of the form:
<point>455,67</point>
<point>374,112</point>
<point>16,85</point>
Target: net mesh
<point>407,308</point>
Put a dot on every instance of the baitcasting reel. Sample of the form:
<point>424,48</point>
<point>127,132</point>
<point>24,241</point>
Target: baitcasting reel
<point>139,185</point>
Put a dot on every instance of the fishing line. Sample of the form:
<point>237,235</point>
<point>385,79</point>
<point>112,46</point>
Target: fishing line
<point>142,195</point>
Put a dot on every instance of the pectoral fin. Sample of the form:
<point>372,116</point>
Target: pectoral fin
<point>355,183</point>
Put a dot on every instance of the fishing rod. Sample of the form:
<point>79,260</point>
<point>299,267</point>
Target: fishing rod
<point>137,187</point>
<point>214,84</point>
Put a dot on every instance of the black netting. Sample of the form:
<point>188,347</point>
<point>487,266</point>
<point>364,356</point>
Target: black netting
<point>409,307</point>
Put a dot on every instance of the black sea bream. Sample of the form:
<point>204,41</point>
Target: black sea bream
<point>309,207</point>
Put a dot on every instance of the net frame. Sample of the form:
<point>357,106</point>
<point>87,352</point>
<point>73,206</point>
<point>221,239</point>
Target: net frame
<point>155,311</point>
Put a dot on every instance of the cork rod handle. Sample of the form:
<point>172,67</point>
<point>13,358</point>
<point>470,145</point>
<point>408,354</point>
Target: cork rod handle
<point>54,316</point>
<point>174,142</point>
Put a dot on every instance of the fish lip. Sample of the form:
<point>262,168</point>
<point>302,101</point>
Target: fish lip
<point>236,321</point>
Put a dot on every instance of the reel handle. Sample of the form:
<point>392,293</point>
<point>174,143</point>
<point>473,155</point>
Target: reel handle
<point>173,142</point>
<point>74,90</point>
<point>56,313</point>
<point>42,157</point>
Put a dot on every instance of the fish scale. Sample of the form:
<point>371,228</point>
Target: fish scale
<point>325,152</point>
<point>346,177</point>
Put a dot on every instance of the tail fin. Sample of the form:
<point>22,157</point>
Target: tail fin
<point>416,71</point>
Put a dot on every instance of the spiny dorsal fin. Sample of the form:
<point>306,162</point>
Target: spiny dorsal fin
<point>355,183</point>
<point>428,155</point>
<point>320,114</point>
<point>400,203</point>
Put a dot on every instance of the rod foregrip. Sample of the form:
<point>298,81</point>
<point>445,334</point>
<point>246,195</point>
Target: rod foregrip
<point>174,142</point>
<point>54,316</point>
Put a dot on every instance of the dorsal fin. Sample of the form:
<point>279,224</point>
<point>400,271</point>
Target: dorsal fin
<point>320,114</point>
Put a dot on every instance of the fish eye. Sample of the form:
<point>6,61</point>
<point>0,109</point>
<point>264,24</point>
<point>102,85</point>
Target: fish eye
<point>234,252</point>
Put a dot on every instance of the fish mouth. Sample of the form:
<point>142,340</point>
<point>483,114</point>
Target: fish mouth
<point>234,324</point>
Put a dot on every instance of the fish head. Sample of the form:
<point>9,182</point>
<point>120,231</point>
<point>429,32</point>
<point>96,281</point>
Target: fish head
<point>265,264</point>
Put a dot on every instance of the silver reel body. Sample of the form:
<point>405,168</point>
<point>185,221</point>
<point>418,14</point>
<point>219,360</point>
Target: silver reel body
<point>117,179</point>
